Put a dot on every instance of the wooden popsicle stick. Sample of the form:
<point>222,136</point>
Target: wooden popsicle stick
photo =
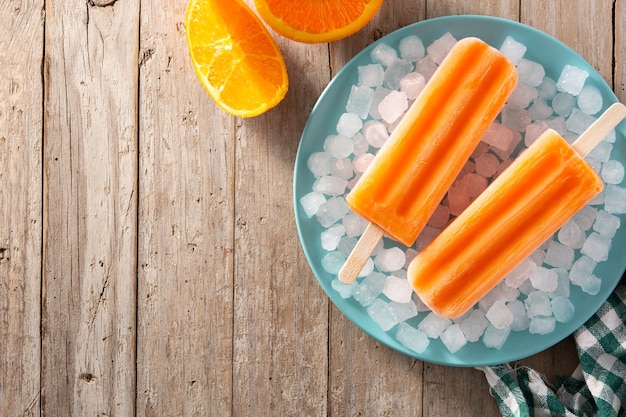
<point>599,129</point>
<point>361,253</point>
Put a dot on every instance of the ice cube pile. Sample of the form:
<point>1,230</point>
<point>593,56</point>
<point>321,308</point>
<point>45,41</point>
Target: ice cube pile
<point>532,298</point>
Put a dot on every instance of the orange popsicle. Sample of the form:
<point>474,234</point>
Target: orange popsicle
<point>411,173</point>
<point>546,185</point>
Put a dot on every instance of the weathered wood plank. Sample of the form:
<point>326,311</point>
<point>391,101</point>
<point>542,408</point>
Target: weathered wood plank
<point>21,115</point>
<point>585,27</point>
<point>619,64</point>
<point>508,9</point>
<point>185,288</point>
<point>367,378</point>
<point>280,361</point>
<point>90,194</point>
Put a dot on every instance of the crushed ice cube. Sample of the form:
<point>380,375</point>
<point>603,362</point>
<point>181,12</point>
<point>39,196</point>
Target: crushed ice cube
<point>547,89</point>
<point>612,172</point>
<point>520,318</point>
<point>440,48</point>
<point>474,325</point>
<point>558,124</point>
<point>349,124</point>
<point>563,284</point>
<point>369,288</point>
<point>572,79</point>
<point>330,237</point>
<point>375,133</point>
<point>380,313</point>
<point>397,289</point>
<point>389,260</point>
<point>412,84</point>
<point>453,338</point>
<point>379,94</point>
<point>396,71</point>
<point>433,325</point>
<point>440,217</point>
<point>590,100</point>
<point>538,304</point>
<point>606,224</point>
<point>344,290</point>
<point>362,161</point>
<point>582,275</point>
<point>540,110</point>
<point>426,66</point>
<point>331,211</point>
<point>371,75</point>
<point>578,122</point>
<point>533,131</point>
<point>333,261</point>
<point>512,49</point>
<point>360,100</point>
<point>360,145</point>
<point>383,54</point>
<point>330,185</point>
<point>544,279</point>
<point>520,273</point>
<point>499,315</point>
<point>530,72</point>
<point>354,224</point>
<point>412,338</point>
<point>403,311</point>
<point>495,338</point>
<point>311,203</point>
<point>563,104</point>
<point>393,106</point>
<point>585,217</point>
<point>523,95</point>
<point>338,146</point>
<point>559,256</point>
<point>615,199</point>
<point>563,309</point>
<point>570,234</point>
<point>319,163</point>
<point>515,118</point>
<point>342,168</point>
<point>411,48</point>
<point>542,325</point>
<point>597,247</point>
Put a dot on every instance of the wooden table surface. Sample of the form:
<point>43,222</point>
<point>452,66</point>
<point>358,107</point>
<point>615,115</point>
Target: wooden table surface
<point>149,258</point>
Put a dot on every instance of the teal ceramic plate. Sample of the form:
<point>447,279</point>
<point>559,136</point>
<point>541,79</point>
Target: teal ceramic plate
<point>553,55</point>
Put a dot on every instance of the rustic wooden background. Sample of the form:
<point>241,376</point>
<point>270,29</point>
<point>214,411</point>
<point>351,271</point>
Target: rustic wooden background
<point>149,260</point>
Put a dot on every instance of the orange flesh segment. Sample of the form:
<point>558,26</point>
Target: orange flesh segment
<point>314,21</point>
<point>235,57</point>
<point>319,19</point>
<point>546,185</point>
<point>412,172</point>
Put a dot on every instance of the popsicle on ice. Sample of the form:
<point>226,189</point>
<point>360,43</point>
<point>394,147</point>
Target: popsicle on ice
<point>546,185</point>
<point>411,173</point>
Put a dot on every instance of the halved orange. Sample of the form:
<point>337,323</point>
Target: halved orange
<point>235,56</point>
<point>315,21</point>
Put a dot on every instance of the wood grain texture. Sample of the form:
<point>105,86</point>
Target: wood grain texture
<point>21,115</point>
<point>585,28</point>
<point>185,231</point>
<point>619,62</point>
<point>90,164</point>
<point>280,332</point>
<point>149,260</point>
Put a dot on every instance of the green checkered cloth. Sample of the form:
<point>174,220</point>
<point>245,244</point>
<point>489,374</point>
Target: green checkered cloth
<point>596,388</point>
